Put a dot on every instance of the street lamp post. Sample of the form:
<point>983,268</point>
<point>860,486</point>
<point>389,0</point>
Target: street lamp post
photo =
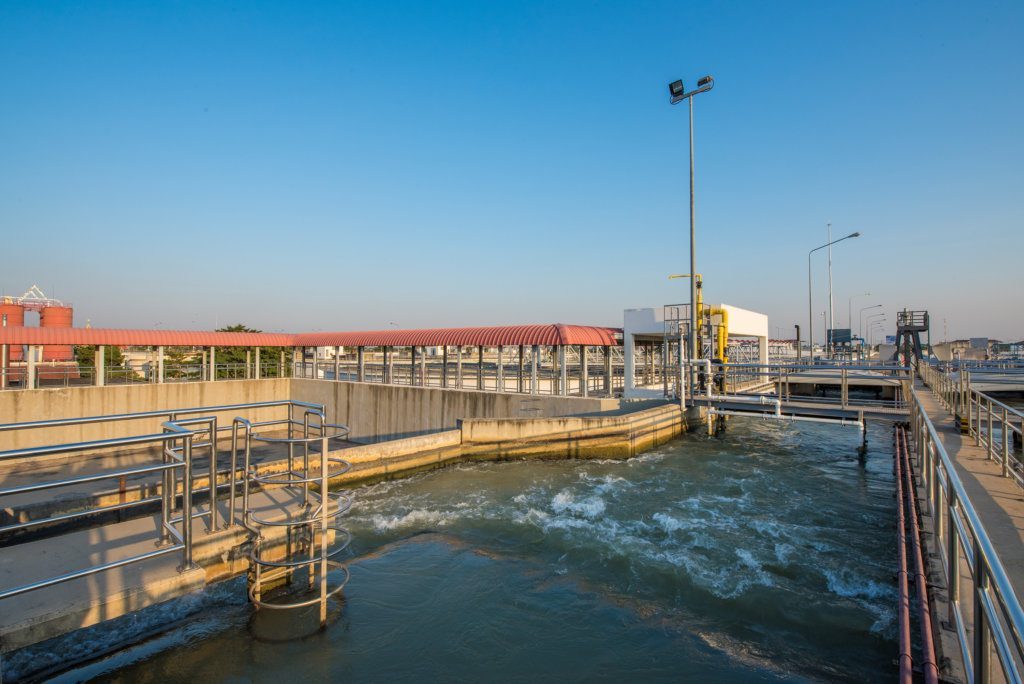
<point>877,325</point>
<point>849,309</point>
<point>810,307</point>
<point>872,324</point>
<point>860,325</point>
<point>677,93</point>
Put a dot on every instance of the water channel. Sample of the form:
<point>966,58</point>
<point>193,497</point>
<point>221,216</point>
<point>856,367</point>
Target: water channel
<point>766,553</point>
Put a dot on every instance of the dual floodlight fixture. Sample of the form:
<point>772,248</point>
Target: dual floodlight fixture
<point>677,91</point>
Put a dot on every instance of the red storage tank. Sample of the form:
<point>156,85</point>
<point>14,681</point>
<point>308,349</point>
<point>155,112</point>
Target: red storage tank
<point>57,317</point>
<point>13,315</point>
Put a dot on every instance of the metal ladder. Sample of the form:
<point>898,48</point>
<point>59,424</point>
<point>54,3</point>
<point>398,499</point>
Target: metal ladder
<point>292,556</point>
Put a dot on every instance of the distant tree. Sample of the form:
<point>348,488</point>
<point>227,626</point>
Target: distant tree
<point>176,360</point>
<point>85,355</point>
<point>232,355</point>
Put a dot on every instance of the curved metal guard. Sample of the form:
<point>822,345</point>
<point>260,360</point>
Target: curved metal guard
<point>311,536</point>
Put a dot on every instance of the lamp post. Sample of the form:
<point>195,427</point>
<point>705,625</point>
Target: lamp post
<point>872,324</point>
<point>860,326</point>
<point>677,93</point>
<point>877,325</point>
<point>849,309</point>
<point>810,307</point>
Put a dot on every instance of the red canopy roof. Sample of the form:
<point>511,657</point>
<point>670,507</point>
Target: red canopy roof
<point>141,338</point>
<point>513,335</point>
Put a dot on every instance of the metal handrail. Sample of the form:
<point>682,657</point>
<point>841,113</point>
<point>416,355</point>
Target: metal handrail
<point>178,440</point>
<point>997,616</point>
<point>981,414</point>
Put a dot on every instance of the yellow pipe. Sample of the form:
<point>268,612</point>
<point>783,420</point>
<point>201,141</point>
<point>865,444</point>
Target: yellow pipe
<point>723,331</point>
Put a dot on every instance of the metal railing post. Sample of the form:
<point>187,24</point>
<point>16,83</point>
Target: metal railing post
<point>186,504</point>
<point>1006,442</point>
<point>980,650</point>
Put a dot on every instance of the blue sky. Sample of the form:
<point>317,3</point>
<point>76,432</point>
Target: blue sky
<point>344,166</point>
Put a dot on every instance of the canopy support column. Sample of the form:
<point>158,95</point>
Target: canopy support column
<point>584,372</point>
<point>160,364</point>
<point>34,354</point>
<point>534,354</point>
<point>563,372</point>
<point>99,361</point>
<point>522,361</point>
<point>480,368</point>
<point>444,366</point>
<point>608,371</point>
<point>501,368</point>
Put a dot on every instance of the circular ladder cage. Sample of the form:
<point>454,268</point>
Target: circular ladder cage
<point>306,539</point>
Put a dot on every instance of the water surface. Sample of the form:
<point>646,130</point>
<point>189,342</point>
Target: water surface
<point>764,554</point>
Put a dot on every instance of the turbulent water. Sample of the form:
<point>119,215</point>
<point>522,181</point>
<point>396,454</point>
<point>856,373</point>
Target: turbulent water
<point>766,553</point>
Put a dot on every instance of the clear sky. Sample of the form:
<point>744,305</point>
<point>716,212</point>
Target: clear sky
<point>343,166</point>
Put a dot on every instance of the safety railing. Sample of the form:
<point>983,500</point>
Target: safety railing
<point>983,608</point>
<point>993,424</point>
<point>841,386</point>
<point>314,537</point>
<point>185,433</point>
<point>58,374</point>
<point>505,375</point>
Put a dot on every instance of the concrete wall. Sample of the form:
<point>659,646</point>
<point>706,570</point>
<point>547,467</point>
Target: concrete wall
<point>378,412</point>
<point>618,436</point>
<point>17,406</point>
<point>375,412</point>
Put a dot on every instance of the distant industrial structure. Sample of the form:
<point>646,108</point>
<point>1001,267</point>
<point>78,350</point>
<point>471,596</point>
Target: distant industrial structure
<point>53,313</point>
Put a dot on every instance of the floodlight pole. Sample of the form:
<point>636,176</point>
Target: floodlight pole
<point>703,85</point>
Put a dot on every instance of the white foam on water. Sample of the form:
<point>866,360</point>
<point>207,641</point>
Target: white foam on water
<point>842,584</point>
<point>417,517</point>
<point>670,524</point>
<point>565,501</point>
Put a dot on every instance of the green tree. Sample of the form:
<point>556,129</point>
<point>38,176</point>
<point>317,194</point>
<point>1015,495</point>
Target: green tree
<point>85,355</point>
<point>176,359</point>
<point>236,355</point>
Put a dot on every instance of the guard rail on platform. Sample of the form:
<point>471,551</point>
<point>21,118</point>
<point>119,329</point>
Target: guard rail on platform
<point>178,442</point>
<point>990,422</point>
<point>842,386</point>
<point>994,620</point>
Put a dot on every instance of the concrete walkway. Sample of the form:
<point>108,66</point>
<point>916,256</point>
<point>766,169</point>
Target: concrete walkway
<point>998,500</point>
